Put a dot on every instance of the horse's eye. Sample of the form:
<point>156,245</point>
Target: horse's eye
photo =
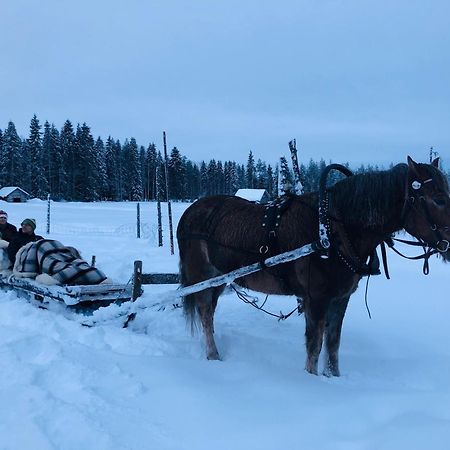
<point>440,200</point>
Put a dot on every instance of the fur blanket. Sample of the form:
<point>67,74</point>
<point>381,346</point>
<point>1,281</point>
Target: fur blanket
<point>53,263</point>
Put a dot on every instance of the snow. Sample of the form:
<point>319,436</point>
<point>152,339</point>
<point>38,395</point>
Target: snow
<point>253,195</point>
<point>64,386</point>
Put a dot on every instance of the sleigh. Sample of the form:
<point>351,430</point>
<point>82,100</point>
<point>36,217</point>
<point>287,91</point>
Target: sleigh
<point>87,297</point>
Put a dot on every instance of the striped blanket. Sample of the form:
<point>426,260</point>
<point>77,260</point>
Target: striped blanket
<point>62,263</point>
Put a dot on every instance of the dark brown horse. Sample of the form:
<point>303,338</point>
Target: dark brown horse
<point>219,234</point>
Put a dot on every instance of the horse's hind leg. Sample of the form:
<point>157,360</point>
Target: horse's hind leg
<point>335,317</point>
<point>206,305</point>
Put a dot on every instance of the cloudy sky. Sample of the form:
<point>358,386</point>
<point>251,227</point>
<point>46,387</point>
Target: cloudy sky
<point>351,80</point>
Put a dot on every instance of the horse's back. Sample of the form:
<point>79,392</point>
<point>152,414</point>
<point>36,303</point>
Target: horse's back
<point>204,215</point>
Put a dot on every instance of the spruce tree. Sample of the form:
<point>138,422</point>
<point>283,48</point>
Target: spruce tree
<point>100,172</point>
<point>203,179</point>
<point>84,167</point>
<point>67,149</point>
<point>150,172</point>
<point>142,163</point>
<point>176,175</point>
<point>285,184</point>
<point>135,172</point>
<point>261,174</point>
<point>220,176</point>
<point>120,190</point>
<point>11,157</point>
<point>250,171</point>
<point>111,169</point>
<point>39,184</point>
<point>269,182</point>
<point>212,177</point>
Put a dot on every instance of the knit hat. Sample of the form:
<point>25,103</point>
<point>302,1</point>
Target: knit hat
<point>30,222</point>
<point>3,214</point>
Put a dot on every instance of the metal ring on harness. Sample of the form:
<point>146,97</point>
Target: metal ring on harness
<point>325,243</point>
<point>264,249</point>
<point>443,249</point>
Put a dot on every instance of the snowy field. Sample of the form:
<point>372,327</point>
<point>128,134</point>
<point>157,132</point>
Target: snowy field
<point>64,386</point>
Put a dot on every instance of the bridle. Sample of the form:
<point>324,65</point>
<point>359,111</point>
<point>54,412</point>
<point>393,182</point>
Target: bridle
<point>415,197</point>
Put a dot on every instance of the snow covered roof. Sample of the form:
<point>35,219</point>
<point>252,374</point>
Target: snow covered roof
<point>254,195</point>
<point>5,191</point>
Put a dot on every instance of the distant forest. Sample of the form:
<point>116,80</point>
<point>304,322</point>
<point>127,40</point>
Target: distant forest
<point>69,164</point>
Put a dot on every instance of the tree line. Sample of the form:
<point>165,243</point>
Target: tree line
<point>69,164</point>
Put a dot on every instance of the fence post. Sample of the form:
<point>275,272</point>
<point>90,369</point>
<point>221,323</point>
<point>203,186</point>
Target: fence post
<point>137,280</point>
<point>48,213</point>
<point>158,207</point>
<point>138,220</point>
<point>169,206</point>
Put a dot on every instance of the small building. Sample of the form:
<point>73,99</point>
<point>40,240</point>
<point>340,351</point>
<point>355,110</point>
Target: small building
<point>14,194</point>
<point>253,195</point>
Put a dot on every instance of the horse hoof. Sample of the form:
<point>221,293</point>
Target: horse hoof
<point>311,371</point>
<point>213,357</point>
<point>331,373</point>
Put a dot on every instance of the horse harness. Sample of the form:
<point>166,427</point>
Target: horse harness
<point>350,259</point>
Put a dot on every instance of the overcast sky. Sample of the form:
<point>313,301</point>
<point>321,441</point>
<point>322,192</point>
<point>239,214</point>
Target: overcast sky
<point>352,80</point>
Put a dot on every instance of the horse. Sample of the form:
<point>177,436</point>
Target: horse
<point>219,234</point>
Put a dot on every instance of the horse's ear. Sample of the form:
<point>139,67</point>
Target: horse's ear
<point>413,166</point>
<point>435,162</point>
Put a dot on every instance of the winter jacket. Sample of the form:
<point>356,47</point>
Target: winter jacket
<point>19,240</point>
<point>7,231</point>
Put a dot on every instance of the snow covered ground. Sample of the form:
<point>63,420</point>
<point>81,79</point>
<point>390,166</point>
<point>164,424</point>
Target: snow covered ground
<point>64,386</point>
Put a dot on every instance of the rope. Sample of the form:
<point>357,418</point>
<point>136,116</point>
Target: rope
<point>248,299</point>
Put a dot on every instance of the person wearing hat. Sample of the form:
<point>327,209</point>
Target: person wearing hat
<point>23,237</point>
<point>7,230</point>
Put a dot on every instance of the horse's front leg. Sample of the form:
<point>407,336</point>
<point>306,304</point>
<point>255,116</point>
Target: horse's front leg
<point>333,328</point>
<point>315,326</point>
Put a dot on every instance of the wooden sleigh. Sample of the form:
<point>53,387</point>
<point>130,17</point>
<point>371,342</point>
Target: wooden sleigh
<point>88,296</point>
